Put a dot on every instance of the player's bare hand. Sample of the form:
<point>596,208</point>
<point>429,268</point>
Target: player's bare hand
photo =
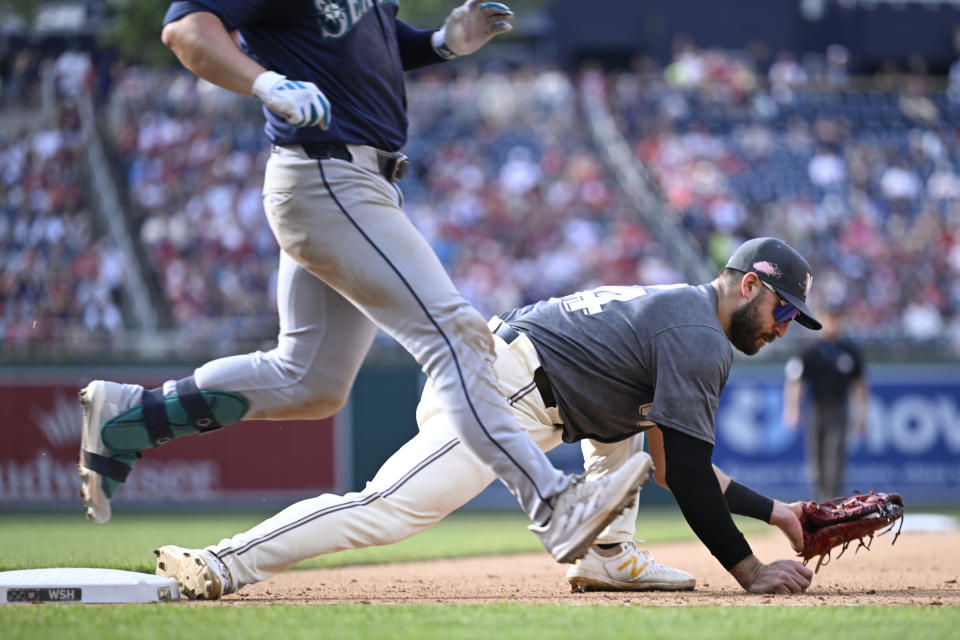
<point>780,576</point>
<point>786,517</point>
<point>470,26</point>
<point>301,103</point>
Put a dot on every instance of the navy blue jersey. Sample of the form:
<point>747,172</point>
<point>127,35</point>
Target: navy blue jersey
<point>355,51</point>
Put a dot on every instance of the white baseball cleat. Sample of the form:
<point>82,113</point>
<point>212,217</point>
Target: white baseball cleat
<point>628,570</point>
<point>200,573</point>
<point>101,401</point>
<point>585,508</point>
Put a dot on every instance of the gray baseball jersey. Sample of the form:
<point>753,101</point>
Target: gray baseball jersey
<point>623,359</point>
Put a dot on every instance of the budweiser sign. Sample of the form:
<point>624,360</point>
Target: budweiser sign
<point>42,421</point>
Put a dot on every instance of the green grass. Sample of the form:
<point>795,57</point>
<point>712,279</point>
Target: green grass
<point>30,540</point>
<point>33,540</point>
<point>482,622</point>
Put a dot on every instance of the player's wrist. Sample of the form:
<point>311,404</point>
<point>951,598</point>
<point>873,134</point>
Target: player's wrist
<point>746,571</point>
<point>744,501</point>
<point>786,510</point>
<point>264,83</point>
<point>439,43</point>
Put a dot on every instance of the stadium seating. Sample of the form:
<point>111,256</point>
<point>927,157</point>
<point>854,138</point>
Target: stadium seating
<point>511,193</point>
<point>863,181</point>
<point>60,275</point>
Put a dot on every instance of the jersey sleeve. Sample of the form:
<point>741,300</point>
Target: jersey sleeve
<point>233,13</point>
<point>689,368</point>
<point>416,49</point>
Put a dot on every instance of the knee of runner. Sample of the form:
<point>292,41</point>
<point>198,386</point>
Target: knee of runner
<point>313,398</point>
<point>660,477</point>
<point>463,329</point>
<point>321,406</point>
<point>296,245</point>
<point>470,328</point>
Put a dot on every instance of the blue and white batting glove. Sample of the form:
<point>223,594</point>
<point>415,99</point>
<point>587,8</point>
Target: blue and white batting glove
<point>470,26</point>
<point>301,103</point>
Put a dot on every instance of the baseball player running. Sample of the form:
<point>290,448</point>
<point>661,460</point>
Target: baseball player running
<point>330,76</point>
<point>603,367</point>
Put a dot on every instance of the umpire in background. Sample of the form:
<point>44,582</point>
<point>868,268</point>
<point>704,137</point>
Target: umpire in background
<point>830,373</point>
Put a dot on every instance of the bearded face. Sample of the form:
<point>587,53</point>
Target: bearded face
<point>746,327</point>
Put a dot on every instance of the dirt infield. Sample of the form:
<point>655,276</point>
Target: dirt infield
<point>922,569</point>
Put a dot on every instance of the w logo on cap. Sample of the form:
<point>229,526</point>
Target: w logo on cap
<point>781,267</point>
<point>805,285</point>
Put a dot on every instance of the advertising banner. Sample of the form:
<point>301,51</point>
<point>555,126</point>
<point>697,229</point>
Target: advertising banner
<point>912,443</point>
<point>244,464</point>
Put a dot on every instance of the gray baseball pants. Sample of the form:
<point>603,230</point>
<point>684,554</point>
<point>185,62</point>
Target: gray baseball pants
<point>429,477</point>
<point>352,261</point>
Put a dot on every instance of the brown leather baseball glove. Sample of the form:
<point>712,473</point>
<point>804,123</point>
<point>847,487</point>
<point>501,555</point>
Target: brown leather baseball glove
<point>840,521</point>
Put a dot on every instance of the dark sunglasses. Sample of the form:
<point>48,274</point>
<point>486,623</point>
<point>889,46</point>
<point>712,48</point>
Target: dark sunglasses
<point>784,312</point>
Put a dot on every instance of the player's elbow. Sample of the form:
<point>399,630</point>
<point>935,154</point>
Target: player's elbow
<point>190,34</point>
<point>670,480</point>
<point>172,35</point>
<point>183,37</point>
<point>660,476</point>
<point>687,463</point>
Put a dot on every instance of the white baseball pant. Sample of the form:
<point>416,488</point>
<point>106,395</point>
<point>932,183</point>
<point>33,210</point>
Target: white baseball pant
<point>427,478</point>
<point>351,261</point>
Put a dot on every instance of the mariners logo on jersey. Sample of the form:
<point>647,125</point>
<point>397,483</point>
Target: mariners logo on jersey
<point>332,18</point>
<point>337,17</point>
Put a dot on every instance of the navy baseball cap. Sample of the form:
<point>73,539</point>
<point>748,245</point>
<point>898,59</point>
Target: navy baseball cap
<point>779,265</point>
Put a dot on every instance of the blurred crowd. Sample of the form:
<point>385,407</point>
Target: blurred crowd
<point>60,276</point>
<point>191,160</point>
<point>863,180</point>
<point>505,186</point>
<point>508,189</point>
<point>512,196</point>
